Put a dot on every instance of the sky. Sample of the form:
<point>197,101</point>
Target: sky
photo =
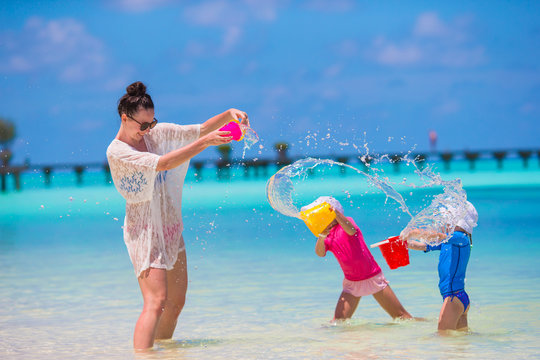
<point>327,77</point>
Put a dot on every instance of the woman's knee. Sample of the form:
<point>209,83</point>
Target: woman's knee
<point>176,305</point>
<point>155,303</point>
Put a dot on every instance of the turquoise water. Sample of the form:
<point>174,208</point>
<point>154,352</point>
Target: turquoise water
<point>257,289</point>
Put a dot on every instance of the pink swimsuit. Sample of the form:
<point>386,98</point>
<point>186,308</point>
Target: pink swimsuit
<point>352,253</point>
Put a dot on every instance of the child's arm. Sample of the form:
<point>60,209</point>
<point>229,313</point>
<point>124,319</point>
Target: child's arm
<point>416,245</point>
<point>345,223</point>
<point>320,248</point>
<point>419,233</point>
<point>431,236</point>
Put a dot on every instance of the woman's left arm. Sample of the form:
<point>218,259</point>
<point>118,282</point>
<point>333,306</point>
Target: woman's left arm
<point>345,223</point>
<point>219,120</point>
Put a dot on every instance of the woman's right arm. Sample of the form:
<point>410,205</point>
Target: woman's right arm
<point>177,157</point>
<point>219,120</point>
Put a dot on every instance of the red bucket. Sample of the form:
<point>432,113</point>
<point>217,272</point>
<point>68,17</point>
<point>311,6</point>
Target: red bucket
<point>395,252</point>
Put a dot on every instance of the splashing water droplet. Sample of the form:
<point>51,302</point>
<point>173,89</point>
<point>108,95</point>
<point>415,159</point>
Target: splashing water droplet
<point>441,215</point>
<point>250,139</point>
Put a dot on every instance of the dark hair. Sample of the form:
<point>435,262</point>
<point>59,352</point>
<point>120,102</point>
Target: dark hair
<point>135,98</point>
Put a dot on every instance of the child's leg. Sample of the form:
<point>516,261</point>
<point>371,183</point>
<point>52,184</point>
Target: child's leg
<point>346,306</point>
<point>390,303</point>
<point>462,324</point>
<point>451,314</point>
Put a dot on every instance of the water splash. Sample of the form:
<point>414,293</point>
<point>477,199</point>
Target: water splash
<point>250,139</point>
<point>280,188</point>
<point>442,215</point>
<point>444,211</point>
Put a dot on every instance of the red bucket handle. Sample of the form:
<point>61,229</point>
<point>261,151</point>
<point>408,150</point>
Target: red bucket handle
<point>390,239</point>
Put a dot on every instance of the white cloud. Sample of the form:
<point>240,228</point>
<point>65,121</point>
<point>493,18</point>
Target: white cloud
<point>137,5</point>
<point>123,76</point>
<point>88,125</point>
<point>448,107</point>
<point>527,108</point>
<point>459,57</point>
<point>231,16</point>
<point>428,24</point>
<point>185,68</point>
<point>391,54</point>
<point>251,67</point>
<point>347,48</point>
<point>217,12</point>
<point>62,46</point>
<point>225,13</point>
<point>231,38</point>
<point>194,48</point>
<point>432,42</point>
<point>330,5</point>
<point>333,70</point>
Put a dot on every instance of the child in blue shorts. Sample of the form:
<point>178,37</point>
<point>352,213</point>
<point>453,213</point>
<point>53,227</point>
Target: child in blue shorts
<point>453,260</point>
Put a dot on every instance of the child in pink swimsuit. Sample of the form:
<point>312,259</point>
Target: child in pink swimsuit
<point>362,274</point>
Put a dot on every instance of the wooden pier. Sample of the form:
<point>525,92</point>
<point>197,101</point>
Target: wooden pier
<point>260,167</point>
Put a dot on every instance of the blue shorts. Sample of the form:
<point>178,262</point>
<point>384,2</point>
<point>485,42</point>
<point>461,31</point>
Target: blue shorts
<point>462,296</point>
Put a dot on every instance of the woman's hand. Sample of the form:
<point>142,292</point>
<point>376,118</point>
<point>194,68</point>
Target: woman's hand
<point>217,137</point>
<point>240,115</point>
<point>217,121</point>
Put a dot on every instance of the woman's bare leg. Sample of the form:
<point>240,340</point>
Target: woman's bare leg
<point>346,306</point>
<point>177,281</point>
<point>453,316</point>
<point>390,303</point>
<point>153,284</point>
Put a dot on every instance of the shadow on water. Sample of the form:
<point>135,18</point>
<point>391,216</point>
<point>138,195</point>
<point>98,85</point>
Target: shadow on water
<point>174,349</point>
<point>363,325</point>
<point>469,335</point>
<point>187,343</point>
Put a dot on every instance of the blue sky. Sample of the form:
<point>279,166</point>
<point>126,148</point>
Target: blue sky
<point>321,75</point>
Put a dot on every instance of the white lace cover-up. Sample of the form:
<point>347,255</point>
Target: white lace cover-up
<point>153,223</point>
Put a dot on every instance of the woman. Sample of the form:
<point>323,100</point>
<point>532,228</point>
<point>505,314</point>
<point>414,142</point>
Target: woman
<point>148,163</point>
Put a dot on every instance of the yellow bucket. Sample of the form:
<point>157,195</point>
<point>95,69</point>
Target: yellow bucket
<point>318,218</point>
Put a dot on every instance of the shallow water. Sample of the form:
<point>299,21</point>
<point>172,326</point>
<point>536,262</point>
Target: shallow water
<point>257,289</point>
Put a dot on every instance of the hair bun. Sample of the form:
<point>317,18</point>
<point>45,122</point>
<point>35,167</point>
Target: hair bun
<point>136,89</point>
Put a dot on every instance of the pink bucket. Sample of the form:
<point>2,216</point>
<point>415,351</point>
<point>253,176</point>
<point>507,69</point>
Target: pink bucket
<point>235,129</point>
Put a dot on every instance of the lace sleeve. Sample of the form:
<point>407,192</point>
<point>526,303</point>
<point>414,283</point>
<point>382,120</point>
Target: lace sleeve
<point>133,172</point>
<point>178,135</point>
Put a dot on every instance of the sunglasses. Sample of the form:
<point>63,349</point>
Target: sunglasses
<point>145,125</point>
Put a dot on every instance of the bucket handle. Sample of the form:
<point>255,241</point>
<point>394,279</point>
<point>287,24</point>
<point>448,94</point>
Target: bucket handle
<point>379,243</point>
<point>383,242</point>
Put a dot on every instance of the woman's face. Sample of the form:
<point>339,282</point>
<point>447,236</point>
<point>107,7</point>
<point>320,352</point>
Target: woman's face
<point>132,124</point>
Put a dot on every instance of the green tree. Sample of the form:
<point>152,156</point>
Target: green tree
<point>225,151</point>
<point>281,148</point>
